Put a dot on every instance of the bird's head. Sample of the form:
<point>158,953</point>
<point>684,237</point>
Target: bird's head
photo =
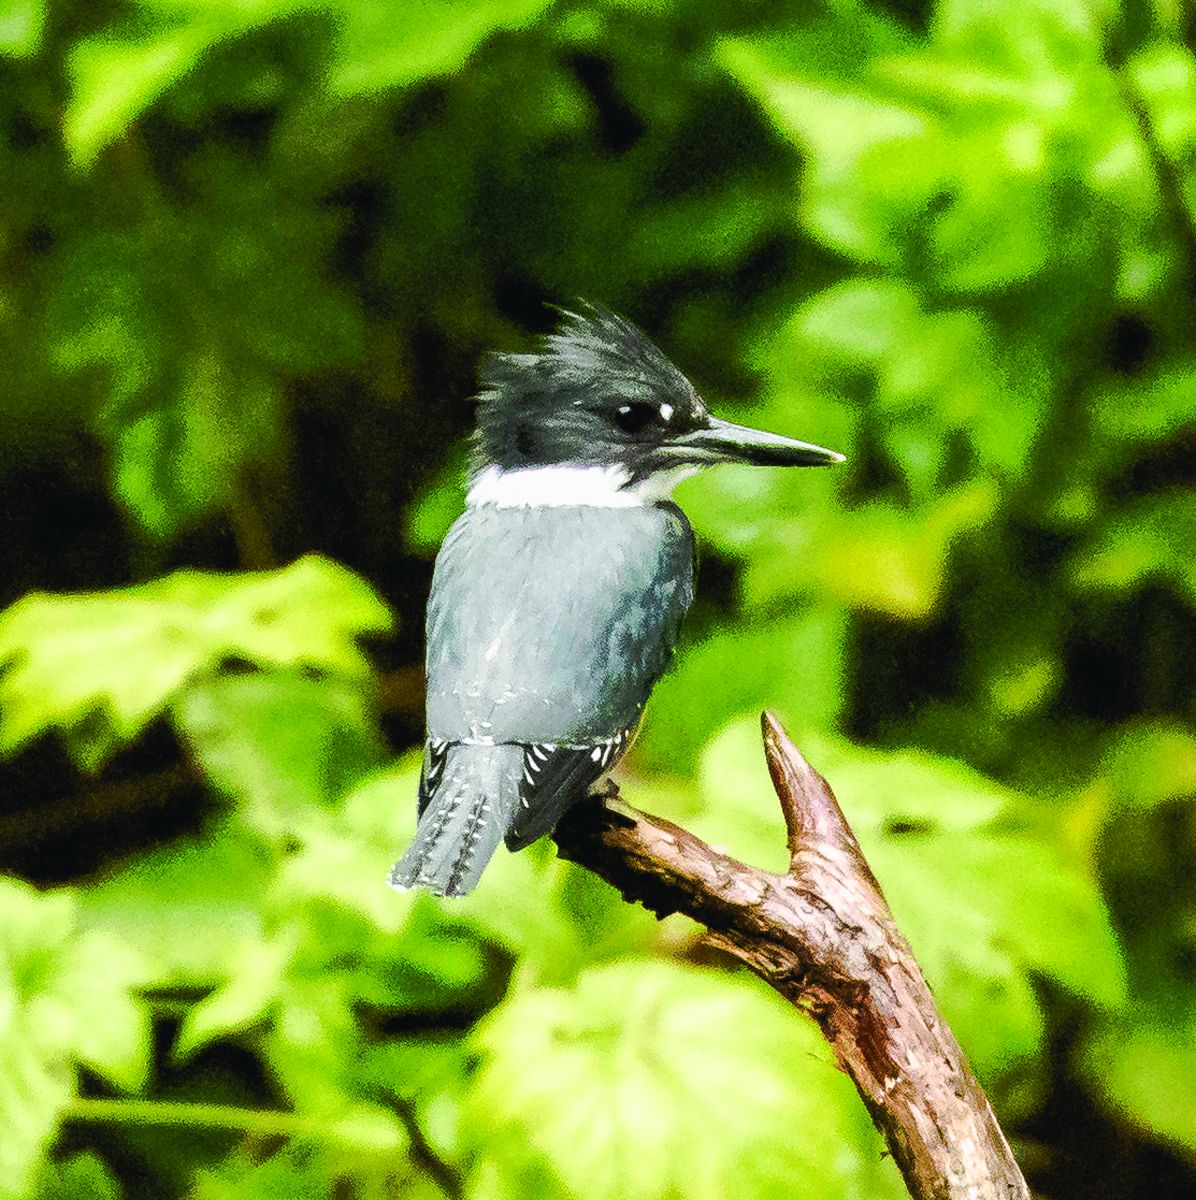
<point>599,394</point>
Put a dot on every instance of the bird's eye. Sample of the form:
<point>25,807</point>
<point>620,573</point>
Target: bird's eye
<point>634,418</point>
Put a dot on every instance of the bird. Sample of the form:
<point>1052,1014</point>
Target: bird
<point>558,595</point>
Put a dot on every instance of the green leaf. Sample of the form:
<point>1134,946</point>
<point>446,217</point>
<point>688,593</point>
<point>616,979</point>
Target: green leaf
<point>284,745</point>
<point>879,557</point>
<point>313,1042</point>
<point>386,44</point>
<point>344,862</point>
<point>1150,764</point>
<point>96,984</point>
<point>22,24</point>
<point>293,1172</point>
<point>81,1177</point>
<point>113,81</point>
<point>65,997</point>
<point>32,1094</point>
<point>255,981</point>
<point>838,124</point>
<point>186,381</point>
<point>1159,408</point>
<point>1143,1070</point>
<point>172,465</point>
<point>119,73</point>
<point>429,518</point>
<point>795,663</point>
<point>858,322</point>
<point>1148,541</point>
<point>1164,76</point>
<point>190,906</point>
<point>101,666</point>
<point>985,905</point>
<point>649,1079</point>
<point>1050,35</point>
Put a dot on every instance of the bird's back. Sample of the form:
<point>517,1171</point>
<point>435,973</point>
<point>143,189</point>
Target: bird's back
<point>552,623</point>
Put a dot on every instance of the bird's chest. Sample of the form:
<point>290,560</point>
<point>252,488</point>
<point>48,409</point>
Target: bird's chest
<point>546,625</point>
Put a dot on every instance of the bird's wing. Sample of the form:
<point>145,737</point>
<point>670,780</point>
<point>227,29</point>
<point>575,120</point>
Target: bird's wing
<point>551,625</point>
<point>435,756</point>
<point>554,779</point>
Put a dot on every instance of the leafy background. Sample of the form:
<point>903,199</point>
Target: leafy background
<point>250,253</point>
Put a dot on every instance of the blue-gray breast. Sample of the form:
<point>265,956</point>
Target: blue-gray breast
<point>558,595</point>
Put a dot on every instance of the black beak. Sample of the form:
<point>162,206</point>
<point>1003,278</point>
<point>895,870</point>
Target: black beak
<point>723,442</point>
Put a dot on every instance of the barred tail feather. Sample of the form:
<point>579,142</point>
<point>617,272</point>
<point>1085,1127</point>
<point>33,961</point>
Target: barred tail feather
<point>465,818</point>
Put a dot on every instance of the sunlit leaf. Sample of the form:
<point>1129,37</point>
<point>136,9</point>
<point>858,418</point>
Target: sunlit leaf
<point>677,1081</point>
<point>1144,1071</point>
<point>113,81</point>
<point>281,743</point>
<point>189,906</point>
<point>255,978</point>
<point>81,1177</point>
<point>22,23</point>
<point>187,381</point>
<point>795,664</point>
<point>838,124</point>
<point>102,666</point>
<point>1148,541</point>
<point>386,43</point>
<point>65,998</point>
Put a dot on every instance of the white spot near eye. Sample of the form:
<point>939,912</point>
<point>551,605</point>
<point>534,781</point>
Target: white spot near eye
<point>666,412</point>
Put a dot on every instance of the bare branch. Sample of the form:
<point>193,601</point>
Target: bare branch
<point>823,936</point>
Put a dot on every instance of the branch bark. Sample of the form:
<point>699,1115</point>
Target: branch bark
<point>823,936</point>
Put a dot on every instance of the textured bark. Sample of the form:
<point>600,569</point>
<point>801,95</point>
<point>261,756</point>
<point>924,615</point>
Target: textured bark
<point>823,936</point>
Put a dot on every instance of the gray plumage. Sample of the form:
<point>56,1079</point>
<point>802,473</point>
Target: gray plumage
<point>536,680</point>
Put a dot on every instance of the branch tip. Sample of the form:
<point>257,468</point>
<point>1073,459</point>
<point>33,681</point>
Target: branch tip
<point>813,818</point>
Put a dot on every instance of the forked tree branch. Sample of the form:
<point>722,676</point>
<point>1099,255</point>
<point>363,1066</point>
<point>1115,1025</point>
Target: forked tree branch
<point>823,936</point>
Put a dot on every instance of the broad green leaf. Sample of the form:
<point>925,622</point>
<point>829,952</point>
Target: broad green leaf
<point>172,465</point>
<point>112,1025</point>
<point>282,744</point>
<point>1151,764</point>
<point>344,862</point>
<point>22,23</point>
<point>1143,1070</point>
<point>65,998</point>
<point>293,1172</point>
<point>1050,35</point>
<point>101,666</point>
<point>1163,75</point>
<point>1147,541</point>
<point>186,381</point>
<point>795,663</point>
<point>838,125</point>
<point>857,323</point>
<point>1128,422</point>
<point>255,980</point>
<point>33,1092</point>
<point>526,903</point>
<point>430,517</point>
<point>388,43</point>
<point>878,557</point>
<point>677,1081</point>
<point>81,1177</point>
<point>313,1041</point>
<point>119,73</point>
<point>985,904</point>
<point>191,907</point>
<point>113,81</point>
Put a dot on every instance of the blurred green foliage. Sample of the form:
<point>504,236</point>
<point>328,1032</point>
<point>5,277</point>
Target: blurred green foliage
<point>250,251</point>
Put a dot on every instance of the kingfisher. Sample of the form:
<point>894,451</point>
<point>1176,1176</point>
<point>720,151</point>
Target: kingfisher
<point>558,595</point>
